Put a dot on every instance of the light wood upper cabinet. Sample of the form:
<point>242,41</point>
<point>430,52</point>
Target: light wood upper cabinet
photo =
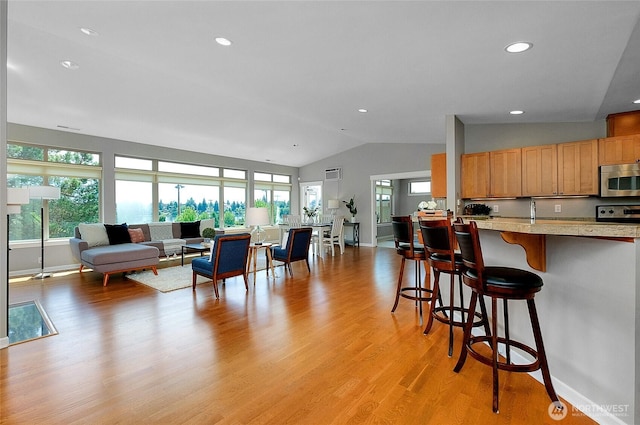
<point>619,150</point>
<point>439,175</point>
<point>578,168</point>
<point>505,173</point>
<point>474,170</point>
<point>540,170</point>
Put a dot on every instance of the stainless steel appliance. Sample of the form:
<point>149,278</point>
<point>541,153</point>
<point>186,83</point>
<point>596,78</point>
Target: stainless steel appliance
<point>619,180</point>
<point>618,213</point>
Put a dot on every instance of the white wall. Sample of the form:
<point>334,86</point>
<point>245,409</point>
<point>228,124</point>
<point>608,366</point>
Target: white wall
<point>358,164</point>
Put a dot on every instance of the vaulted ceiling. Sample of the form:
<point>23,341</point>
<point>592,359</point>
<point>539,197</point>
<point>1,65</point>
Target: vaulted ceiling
<point>289,87</point>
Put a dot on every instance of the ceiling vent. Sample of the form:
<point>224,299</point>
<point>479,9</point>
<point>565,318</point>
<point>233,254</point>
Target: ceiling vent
<point>333,174</point>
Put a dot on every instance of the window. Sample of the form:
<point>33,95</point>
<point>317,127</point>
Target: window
<point>180,192</point>
<point>275,196</point>
<point>419,187</point>
<point>76,173</point>
<point>234,205</point>
<point>384,197</point>
<point>134,203</point>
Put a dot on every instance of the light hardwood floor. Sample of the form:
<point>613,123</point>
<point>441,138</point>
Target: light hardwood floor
<point>319,348</point>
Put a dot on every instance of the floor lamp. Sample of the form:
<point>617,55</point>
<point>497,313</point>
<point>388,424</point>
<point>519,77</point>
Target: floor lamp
<point>16,197</point>
<point>42,193</point>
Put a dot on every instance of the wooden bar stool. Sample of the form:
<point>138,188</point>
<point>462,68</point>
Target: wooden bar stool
<point>505,283</point>
<point>403,237</point>
<point>439,242</point>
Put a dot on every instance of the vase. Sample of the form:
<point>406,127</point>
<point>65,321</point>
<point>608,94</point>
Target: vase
<point>354,219</point>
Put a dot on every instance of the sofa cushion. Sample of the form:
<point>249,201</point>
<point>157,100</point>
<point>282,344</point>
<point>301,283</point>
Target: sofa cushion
<point>121,253</point>
<point>145,230</point>
<point>118,233</point>
<point>190,230</point>
<point>160,231</point>
<point>136,235</point>
<point>173,246</point>
<point>95,234</point>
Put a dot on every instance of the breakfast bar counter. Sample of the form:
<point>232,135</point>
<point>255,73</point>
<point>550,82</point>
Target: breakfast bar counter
<point>573,227</point>
<point>589,307</point>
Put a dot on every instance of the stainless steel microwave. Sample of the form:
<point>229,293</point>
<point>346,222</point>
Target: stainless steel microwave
<point>619,180</point>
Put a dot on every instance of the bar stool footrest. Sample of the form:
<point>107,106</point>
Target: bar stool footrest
<point>502,365</point>
<point>444,310</point>
<point>407,290</point>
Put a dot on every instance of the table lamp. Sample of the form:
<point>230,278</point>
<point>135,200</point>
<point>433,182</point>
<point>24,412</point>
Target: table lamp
<point>42,193</point>
<point>333,205</point>
<point>257,217</point>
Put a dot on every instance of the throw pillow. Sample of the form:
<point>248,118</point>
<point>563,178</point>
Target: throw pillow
<point>118,233</point>
<point>161,231</point>
<point>190,230</point>
<point>94,234</point>
<point>136,235</point>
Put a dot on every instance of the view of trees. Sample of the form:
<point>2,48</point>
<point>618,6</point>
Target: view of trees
<point>79,197</point>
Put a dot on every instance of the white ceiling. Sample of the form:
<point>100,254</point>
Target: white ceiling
<point>288,89</point>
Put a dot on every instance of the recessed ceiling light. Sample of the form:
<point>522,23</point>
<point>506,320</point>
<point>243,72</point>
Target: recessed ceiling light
<point>362,110</point>
<point>69,64</point>
<point>636,101</point>
<point>516,112</point>
<point>89,31</point>
<point>223,41</point>
<point>518,47</point>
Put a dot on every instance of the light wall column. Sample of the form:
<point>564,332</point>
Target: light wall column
<point>454,148</point>
<point>4,284</point>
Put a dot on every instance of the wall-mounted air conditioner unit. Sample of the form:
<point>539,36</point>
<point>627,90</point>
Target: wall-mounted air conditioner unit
<point>333,174</point>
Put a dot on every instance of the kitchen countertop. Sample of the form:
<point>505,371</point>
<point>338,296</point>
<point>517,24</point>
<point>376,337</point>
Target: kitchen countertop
<point>563,227</point>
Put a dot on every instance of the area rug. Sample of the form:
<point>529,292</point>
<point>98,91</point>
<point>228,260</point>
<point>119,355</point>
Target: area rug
<point>177,277</point>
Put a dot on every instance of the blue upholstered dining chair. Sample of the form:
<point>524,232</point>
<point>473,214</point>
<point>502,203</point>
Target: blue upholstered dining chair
<point>228,258</point>
<point>295,249</point>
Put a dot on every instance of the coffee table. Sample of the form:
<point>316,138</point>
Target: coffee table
<point>193,247</point>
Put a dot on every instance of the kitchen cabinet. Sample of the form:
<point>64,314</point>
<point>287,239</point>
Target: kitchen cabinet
<point>439,175</point>
<point>505,175</point>
<point>578,168</point>
<point>619,150</point>
<point>540,170</point>
<point>474,171</point>
<point>623,124</point>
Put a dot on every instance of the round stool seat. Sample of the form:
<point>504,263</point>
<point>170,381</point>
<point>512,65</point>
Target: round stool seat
<point>504,278</point>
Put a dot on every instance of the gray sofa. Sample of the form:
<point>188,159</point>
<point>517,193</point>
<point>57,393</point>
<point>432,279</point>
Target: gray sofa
<point>112,249</point>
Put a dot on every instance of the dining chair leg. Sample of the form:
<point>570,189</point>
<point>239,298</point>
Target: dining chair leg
<point>506,330</point>
<point>542,356</point>
<point>467,333</point>
<point>395,304</point>
<point>451,300</point>
<point>432,303</point>
<point>494,352</point>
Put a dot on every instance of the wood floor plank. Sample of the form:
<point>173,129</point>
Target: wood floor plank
<point>319,348</point>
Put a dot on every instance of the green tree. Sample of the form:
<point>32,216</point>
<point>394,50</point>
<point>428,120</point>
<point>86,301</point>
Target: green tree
<point>187,214</point>
<point>229,219</point>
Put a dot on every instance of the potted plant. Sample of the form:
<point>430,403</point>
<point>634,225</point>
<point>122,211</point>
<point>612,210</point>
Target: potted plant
<point>208,233</point>
<point>351,206</point>
<point>310,213</point>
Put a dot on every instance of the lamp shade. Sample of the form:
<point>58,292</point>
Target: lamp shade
<point>333,204</point>
<point>17,195</point>
<point>257,216</point>
<point>44,192</point>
